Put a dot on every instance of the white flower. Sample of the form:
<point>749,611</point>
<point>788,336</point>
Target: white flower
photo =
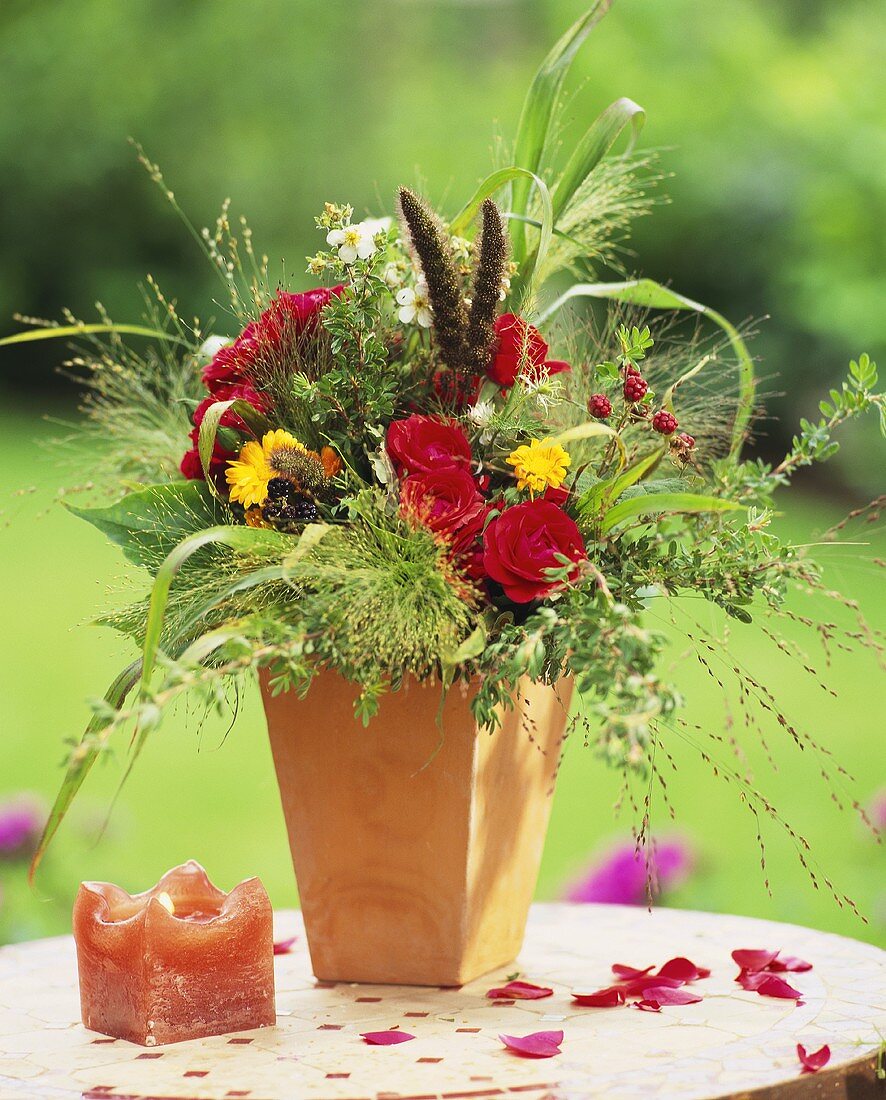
<point>481,413</point>
<point>540,387</point>
<point>415,305</point>
<point>376,225</point>
<point>352,241</point>
<point>211,346</point>
<point>505,288</point>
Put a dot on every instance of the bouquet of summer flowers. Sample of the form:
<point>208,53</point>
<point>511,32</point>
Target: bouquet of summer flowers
<point>474,453</point>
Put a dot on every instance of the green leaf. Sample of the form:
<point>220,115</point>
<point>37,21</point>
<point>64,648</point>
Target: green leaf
<point>652,295</point>
<point>538,109</point>
<point>600,495</point>
<point>82,761</point>
<point>658,486</point>
<point>471,647</point>
<point>664,502</point>
<point>593,147</point>
<point>255,421</point>
<point>54,332</point>
<point>148,523</point>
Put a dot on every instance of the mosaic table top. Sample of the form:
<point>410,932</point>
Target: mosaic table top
<point>732,1043</point>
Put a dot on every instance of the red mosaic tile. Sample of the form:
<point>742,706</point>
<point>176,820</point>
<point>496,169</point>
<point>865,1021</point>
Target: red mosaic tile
<point>196,1073</point>
<point>430,1061</point>
<point>239,1042</point>
<point>102,1042</point>
<point>471,1030</point>
<point>367,1000</point>
<point>416,1015</point>
<point>337,1076</point>
<point>152,1054</point>
<point>330,1027</point>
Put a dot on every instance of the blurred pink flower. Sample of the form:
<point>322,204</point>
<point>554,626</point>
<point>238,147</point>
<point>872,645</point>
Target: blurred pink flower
<point>620,876</point>
<point>878,809</point>
<point>21,823</point>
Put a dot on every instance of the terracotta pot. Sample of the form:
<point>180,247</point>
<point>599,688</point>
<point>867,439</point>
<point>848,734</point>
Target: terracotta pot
<point>416,854</point>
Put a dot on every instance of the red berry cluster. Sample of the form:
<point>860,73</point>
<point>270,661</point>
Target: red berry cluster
<point>664,422</point>
<point>635,386</point>
<point>599,406</point>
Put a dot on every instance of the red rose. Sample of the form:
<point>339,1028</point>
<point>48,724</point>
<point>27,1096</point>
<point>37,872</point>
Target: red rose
<point>523,542</point>
<point>422,444</point>
<point>192,468</point>
<point>446,501</point>
<point>520,348</point>
<point>282,323</point>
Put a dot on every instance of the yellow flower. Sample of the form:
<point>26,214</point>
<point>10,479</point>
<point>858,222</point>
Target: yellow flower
<point>249,473</point>
<point>539,466</point>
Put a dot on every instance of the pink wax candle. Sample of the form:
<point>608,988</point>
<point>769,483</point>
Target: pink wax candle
<point>180,961</point>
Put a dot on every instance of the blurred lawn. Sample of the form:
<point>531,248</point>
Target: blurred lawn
<point>213,796</point>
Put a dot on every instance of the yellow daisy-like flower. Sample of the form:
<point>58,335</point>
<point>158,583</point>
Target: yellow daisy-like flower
<point>539,465</point>
<point>249,473</point>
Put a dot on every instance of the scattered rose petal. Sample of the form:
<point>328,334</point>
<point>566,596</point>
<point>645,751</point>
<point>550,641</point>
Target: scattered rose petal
<point>753,960</point>
<point>647,1006</point>
<point>752,982</point>
<point>683,969</point>
<point>600,998</point>
<point>283,947</point>
<point>540,1044</point>
<point>625,973</point>
<point>788,962</point>
<point>638,986</point>
<point>768,985</point>
<point>386,1038</point>
<point>813,1061</point>
<point>520,991</point>
<point>664,995</point>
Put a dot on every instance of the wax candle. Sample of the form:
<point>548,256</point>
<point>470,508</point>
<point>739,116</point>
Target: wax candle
<point>179,961</point>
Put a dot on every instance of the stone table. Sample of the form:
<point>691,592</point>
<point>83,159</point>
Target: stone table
<point>733,1043</point>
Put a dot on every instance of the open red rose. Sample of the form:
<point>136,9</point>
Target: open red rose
<point>259,401</point>
<point>521,544</point>
<point>284,321</point>
<point>421,444</point>
<point>446,501</point>
<point>192,468</point>
<point>520,348</point>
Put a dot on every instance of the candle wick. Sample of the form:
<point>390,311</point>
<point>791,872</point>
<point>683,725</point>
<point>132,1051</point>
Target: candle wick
<point>167,902</point>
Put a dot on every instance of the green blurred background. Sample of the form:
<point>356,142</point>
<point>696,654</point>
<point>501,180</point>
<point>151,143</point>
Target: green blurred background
<point>769,117</point>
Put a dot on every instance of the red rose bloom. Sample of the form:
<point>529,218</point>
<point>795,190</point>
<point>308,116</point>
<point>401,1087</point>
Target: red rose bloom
<point>284,321</point>
<point>522,543</point>
<point>192,468</point>
<point>520,348</point>
<point>422,444</point>
<point>448,502</point>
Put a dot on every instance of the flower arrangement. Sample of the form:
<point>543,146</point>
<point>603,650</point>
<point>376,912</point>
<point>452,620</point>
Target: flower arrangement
<point>393,475</point>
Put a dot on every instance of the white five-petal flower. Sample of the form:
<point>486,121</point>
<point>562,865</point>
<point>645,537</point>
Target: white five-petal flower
<point>353,241</point>
<point>211,345</point>
<point>415,305</point>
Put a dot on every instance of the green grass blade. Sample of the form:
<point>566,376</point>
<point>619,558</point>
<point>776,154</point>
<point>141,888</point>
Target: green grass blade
<point>664,502</point>
<point>538,110</point>
<point>588,430</point>
<point>652,295</point>
<point>254,420</point>
<point>593,147</point>
<point>60,331</point>
<point>487,188</point>
<point>82,761</point>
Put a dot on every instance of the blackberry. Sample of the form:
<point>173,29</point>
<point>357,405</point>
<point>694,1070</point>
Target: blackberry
<point>302,510</point>
<point>271,510</point>
<point>635,388</point>
<point>599,406</point>
<point>280,488</point>
<point>664,422</point>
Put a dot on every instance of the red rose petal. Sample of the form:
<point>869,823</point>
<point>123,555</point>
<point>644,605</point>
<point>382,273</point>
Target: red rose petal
<point>813,1061</point>
<point>540,1044</point>
<point>771,986</point>
<point>601,998</point>
<point>664,995</point>
<point>638,986</point>
<point>283,947</point>
<point>624,973</point>
<point>683,969</point>
<point>647,1006</point>
<point>753,960</point>
<point>788,962</point>
<point>386,1038</point>
<point>520,991</point>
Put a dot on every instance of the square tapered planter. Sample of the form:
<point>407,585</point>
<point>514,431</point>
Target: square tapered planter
<point>416,848</point>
